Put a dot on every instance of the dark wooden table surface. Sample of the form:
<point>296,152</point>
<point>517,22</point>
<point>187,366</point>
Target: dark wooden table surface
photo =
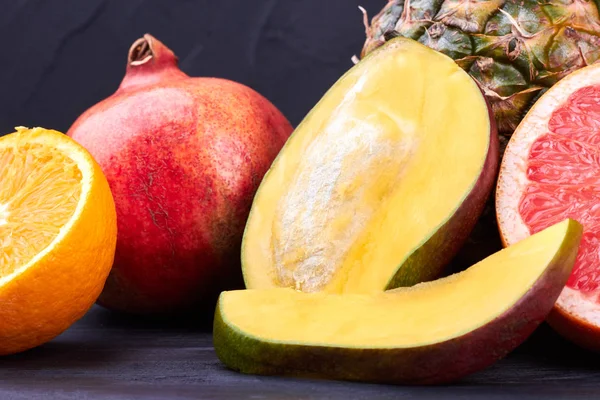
<point>109,356</point>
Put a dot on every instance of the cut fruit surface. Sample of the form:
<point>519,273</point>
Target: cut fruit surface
<point>390,169</point>
<point>550,171</point>
<point>39,192</point>
<point>430,333</point>
<point>57,236</point>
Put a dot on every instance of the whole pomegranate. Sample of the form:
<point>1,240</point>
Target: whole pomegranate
<point>184,157</point>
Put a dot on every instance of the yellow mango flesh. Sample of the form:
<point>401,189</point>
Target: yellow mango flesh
<point>409,317</point>
<point>382,161</point>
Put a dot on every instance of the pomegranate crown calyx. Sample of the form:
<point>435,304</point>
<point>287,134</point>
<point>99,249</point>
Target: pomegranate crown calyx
<point>148,49</point>
<point>140,52</point>
<point>149,61</point>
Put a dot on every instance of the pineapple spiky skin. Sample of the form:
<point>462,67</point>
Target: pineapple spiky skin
<point>514,49</point>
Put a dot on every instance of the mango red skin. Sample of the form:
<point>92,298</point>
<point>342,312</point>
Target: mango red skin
<point>184,158</point>
<point>438,363</point>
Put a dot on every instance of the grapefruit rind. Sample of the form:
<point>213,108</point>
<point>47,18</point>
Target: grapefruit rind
<point>582,304</point>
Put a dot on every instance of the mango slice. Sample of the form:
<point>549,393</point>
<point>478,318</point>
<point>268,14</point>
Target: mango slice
<point>431,333</point>
<point>380,184</point>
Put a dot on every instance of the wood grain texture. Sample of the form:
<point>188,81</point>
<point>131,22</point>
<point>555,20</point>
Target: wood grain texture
<point>109,356</point>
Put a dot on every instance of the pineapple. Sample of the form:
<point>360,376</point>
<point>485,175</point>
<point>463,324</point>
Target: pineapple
<point>514,49</point>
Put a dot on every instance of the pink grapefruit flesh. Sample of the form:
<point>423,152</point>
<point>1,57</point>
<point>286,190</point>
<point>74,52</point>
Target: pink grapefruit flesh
<point>564,180</point>
<point>551,171</point>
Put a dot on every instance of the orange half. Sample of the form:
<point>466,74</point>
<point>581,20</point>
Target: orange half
<point>57,236</point>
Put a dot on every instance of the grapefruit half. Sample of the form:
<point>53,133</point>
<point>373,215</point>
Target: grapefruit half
<point>551,171</point>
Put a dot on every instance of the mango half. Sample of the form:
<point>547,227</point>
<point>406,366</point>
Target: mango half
<point>380,184</point>
<point>431,333</point>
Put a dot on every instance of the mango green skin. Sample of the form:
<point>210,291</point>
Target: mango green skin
<point>437,363</point>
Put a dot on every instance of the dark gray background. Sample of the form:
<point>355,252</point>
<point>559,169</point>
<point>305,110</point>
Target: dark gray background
<point>58,57</point>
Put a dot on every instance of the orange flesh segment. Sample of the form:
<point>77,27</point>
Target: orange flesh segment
<point>39,192</point>
<point>564,180</point>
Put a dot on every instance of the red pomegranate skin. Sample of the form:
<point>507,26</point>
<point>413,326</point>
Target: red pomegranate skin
<point>184,157</point>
